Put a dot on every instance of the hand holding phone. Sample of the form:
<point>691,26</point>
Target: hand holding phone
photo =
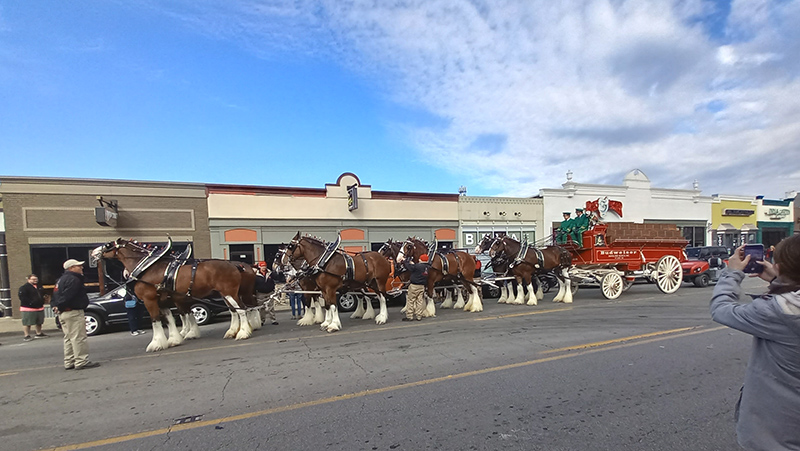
<point>756,253</point>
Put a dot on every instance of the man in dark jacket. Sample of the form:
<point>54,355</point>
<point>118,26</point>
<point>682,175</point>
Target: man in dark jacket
<point>31,304</point>
<point>415,305</point>
<point>69,301</point>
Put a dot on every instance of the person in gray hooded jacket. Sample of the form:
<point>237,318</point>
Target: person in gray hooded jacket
<point>768,411</point>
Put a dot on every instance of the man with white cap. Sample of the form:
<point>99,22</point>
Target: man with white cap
<point>69,301</point>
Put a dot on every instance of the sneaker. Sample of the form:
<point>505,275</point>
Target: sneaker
<point>419,318</point>
<point>274,323</point>
<point>41,335</point>
<point>69,367</point>
<point>27,338</point>
<point>88,365</point>
<point>294,318</point>
<point>135,333</point>
<point>141,332</point>
<point>408,319</point>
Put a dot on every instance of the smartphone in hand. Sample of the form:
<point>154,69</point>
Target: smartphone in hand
<point>756,253</point>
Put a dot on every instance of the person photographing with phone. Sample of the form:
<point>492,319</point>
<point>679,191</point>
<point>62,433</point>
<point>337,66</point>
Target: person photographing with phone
<point>768,412</point>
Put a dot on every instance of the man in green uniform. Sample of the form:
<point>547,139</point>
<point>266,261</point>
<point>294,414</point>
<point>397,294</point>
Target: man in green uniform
<point>565,229</point>
<point>579,225</point>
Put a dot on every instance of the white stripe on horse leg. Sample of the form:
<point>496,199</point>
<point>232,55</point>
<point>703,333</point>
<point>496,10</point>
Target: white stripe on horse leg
<point>560,296</point>
<point>528,294</point>
<point>336,323</point>
<point>175,338</point>
<point>430,308</point>
<point>520,298</point>
<point>383,314</point>
<point>245,331</point>
<point>370,312</point>
<point>319,315</point>
<point>468,306</point>
<point>254,319</point>
<point>568,287</point>
<point>532,299</point>
<point>503,293</point>
<point>359,312</point>
<point>185,324</point>
<point>308,318</point>
<point>460,303</point>
<point>159,341</point>
<point>234,328</point>
<point>539,292</point>
<point>477,304</point>
<point>192,329</point>
<point>232,302</point>
<point>448,299</point>
<point>324,325</point>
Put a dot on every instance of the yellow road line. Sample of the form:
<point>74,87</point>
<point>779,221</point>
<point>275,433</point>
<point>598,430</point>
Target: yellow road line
<point>618,340</point>
<point>630,341</point>
<point>514,315</point>
<point>7,374</point>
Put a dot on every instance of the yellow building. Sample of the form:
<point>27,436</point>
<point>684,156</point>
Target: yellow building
<point>733,220</point>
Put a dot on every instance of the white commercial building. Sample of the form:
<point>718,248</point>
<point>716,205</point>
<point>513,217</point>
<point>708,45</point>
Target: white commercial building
<point>638,201</point>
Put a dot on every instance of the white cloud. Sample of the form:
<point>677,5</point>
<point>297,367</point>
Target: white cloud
<point>598,86</point>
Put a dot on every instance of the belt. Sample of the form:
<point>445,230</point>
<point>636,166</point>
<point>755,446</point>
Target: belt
<point>65,309</point>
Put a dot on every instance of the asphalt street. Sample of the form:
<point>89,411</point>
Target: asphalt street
<point>647,371</point>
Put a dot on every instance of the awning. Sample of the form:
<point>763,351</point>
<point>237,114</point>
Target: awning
<point>748,227</point>
<point>726,227</point>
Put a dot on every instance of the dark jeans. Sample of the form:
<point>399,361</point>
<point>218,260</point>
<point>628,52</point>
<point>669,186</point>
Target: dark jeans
<point>296,301</point>
<point>134,316</point>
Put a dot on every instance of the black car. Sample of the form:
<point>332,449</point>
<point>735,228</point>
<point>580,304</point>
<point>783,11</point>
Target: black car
<point>109,309</point>
<point>707,252</point>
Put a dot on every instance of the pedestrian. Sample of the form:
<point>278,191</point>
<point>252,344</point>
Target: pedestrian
<point>415,305</point>
<point>133,307</point>
<point>31,304</point>
<point>296,300</point>
<point>265,286</point>
<point>69,301</point>
<point>768,412</point>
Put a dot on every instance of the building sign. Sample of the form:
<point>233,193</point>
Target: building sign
<point>778,213</point>
<point>737,212</point>
<point>471,239</point>
<point>352,197</point>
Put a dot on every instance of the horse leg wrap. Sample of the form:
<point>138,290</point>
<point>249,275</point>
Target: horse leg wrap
<point>430,309</point>
<point>159,341</point>
<point>234,328</point>
<point>532,298</point>
<point>503,293</point>
<point>383,314</point>
<point>175,338</point>
<point>360,312</point>
<point>319,316</point>
<point>192,329</point>
<point>448,300</point>
<point>477,304</point>
<point>460,302</point>
<point>245,331</point>
<point>307,319</point>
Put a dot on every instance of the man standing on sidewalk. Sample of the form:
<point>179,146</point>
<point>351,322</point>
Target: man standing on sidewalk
<point>419,279</point>
<point>31,304</point>
<point>69,301</point>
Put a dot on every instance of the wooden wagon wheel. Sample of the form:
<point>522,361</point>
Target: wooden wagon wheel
<point>668,274</point>
<point>611,285</point>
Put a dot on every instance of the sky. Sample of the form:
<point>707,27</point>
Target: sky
<point>500,96</point>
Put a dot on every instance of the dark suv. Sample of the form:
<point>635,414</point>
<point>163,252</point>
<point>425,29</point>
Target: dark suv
<point>109,309</point>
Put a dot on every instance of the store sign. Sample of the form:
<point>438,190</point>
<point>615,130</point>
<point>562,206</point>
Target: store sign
<point>352,197</point>
<point>737,212</point>
<point>778,213</point>
<point>603,205</point>
<point>107,213</point>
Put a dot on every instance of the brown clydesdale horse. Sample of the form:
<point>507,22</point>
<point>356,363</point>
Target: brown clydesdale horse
<point>234,281</point>
<point>371,270</point>
<point>536,261</point>
<point>460,269</point>
<point>500,266</point>
<point>313,306</point>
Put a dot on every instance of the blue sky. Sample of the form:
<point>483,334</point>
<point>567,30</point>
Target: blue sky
<point>421,95</point>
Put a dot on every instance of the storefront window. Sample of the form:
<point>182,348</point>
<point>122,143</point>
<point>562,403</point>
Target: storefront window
<point>696,236</point>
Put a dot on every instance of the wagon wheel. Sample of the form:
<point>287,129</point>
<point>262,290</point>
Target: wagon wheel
<point>668,274</point>
<point>612,285</point>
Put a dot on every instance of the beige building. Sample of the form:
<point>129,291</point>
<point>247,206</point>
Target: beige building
<point>514,216</point>
<point>48,220</point>
<point>249,223</point>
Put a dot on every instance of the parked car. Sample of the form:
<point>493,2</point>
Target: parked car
<point>109,309</point>
<point>704,264</point>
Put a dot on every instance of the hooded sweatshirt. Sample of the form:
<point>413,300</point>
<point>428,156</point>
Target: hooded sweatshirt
<point>768,412</point>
